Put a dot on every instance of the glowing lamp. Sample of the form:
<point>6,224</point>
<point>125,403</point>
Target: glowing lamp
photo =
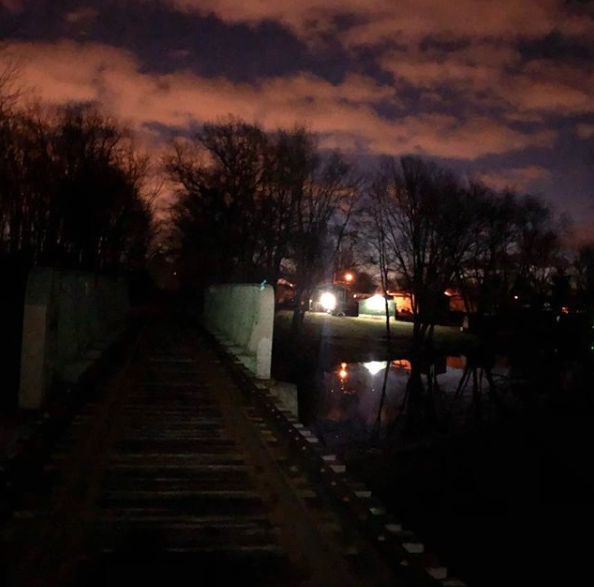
<point>374,367</point>
<point>328,301</point>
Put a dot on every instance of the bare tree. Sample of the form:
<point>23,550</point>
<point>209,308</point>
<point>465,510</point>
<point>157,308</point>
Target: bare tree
<point>486,278</point>
<point>424,219</point>
<point>377,232</point>
<point>71,190</point>
<point>251,200</point>
<point>10,88</point>
<point>428,217</point>
<point>538,246</point>
<point>228,211</point>
<point>277,210</point>
<point>73,194</point>
<point>325,197</point>
<point>583,264</point>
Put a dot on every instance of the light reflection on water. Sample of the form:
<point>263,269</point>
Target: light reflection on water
<point>349,405</point>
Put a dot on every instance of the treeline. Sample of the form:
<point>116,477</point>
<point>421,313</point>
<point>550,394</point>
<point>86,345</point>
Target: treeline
<point>72,195</point>
<point>431,231</point>
<point>255,205</point>
<point>72,191</point>
<point>252,205</point>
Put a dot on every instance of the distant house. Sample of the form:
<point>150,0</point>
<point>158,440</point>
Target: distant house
<point>453,302</point>
<point>375,305</point>
<point>285,293</point>
<point>402,302</point>
<point>457,303</point>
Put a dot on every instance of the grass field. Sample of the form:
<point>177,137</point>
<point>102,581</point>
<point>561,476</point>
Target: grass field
<point>330,339</point>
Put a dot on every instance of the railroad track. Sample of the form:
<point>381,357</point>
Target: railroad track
<point>175,475</point>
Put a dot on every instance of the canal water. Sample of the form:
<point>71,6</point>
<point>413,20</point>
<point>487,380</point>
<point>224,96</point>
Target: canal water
<point>499,488</point>
<point>363,404</point>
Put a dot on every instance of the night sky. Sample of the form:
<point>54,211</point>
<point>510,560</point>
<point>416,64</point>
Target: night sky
<point>502,90</point>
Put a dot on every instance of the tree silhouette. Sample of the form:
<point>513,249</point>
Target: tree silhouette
<point>249,201</point>
<point>72,191</point>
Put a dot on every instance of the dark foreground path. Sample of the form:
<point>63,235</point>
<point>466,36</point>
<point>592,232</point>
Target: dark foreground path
<point>175,477</point>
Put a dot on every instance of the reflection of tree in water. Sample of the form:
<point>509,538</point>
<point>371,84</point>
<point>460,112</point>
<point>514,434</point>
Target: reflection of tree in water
<point>427,408</point>
<point>421,413</point>
<point>375,435</point>
<point>388,415</point>
<point>479,368</point>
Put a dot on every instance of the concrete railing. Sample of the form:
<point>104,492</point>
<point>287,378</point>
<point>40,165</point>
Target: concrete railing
<point>241,317</point>
<point>70,318</point>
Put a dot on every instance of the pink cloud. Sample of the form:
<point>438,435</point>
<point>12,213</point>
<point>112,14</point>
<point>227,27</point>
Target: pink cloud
<point>81,16</point>
<point>473,67</point>
<point>12,5</point>
<point>486,70</point>
<point>343,113</point>
<point>585,131</point>
<point>519,178</point>
<point>490,74</point>
<point>411,20</point>
<point>379,20</point>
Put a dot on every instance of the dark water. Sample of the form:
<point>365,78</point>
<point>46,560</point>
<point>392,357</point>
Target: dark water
<point>358,404</point>
<point>498,486</point>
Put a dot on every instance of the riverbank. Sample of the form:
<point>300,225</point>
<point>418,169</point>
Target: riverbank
<point>328,340</point>
<point>502,500</point>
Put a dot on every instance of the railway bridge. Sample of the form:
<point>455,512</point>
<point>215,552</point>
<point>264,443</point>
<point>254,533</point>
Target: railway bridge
<point>178,468</point>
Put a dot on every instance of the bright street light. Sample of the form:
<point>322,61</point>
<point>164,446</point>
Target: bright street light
<point>374,367</point>
<point>328,301</point>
